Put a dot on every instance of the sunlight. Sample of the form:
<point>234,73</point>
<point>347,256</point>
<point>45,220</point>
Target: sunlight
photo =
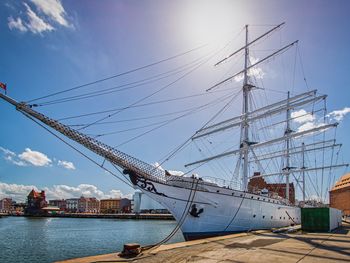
<point>210,22</point>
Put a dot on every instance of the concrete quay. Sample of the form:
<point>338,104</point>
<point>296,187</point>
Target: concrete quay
<point>257,246</point>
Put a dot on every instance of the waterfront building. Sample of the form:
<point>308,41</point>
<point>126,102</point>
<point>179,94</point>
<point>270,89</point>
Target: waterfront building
<point>88,205</point>
<point>60,203</point>
<point>52,210</point>
<point>137,202</point>
<point>339,196</point>
<point>144,204</point>
<point>19,208</point>
<point>110,206</point>
<point>258,185</point>
<point>72,205</point>
<point>125,205</point>
<point>6,205</point>
<point>35,202</point>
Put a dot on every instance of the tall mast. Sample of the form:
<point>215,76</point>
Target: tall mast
<point>303,172</point>
<point>246,89</point>
<point>287,132</point>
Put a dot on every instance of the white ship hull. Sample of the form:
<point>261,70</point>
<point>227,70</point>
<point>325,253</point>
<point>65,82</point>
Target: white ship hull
<point>224,210</point>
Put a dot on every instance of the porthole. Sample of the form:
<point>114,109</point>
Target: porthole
<point>252,197</point>
<point>254,215</point>
<point>263,216</point>
<point>284,218</point>
<point>217,191</point>
<point>258,198</point>
<point>280,217</point>
<point>233,193</point>
<point>271,217</point>
<point>241,195</point>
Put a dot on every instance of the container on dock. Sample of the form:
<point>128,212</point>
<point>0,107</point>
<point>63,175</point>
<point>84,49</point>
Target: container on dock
<point>320,219</point>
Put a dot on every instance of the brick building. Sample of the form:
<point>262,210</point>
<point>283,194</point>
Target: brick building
<point>339,196</point>
<point>88,205</point>
<point>35,202</point>
<point>6,205</point>
<point>110,206</point>
<point>256,184</point>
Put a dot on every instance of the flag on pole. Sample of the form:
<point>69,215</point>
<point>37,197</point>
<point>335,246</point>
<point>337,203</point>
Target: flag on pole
<point>3,86</point>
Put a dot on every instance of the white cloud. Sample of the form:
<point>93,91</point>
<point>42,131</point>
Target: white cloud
<point>29,157</point>
<point>339,115</point>
<point>179,173</point>
<point>67,165</point>
<point>256,72</point>
<point>53,9</point>
<point>157,165</point>
<point>7,151</point>
<point>301,116</point>
<point>34,157</point>
<point>15,191</point>
<point>16,24</point>
<point>19,192</point>
<point>11,157</point>
<point>36,24</point>
<point>39,16</point>
<point>309,125</point>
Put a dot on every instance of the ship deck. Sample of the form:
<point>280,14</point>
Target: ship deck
<point>258,246</point>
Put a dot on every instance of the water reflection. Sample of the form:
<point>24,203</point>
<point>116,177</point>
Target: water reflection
<point>51,239</point>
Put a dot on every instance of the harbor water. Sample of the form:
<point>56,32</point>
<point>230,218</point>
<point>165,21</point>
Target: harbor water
<point>24,239</point>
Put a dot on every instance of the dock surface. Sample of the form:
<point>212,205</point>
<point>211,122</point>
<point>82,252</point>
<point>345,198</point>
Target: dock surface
<point>258,246</point>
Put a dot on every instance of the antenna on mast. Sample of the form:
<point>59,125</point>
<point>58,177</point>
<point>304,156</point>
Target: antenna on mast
<point>245,125</point>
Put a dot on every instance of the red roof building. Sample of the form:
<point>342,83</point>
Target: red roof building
<point>35,202</point>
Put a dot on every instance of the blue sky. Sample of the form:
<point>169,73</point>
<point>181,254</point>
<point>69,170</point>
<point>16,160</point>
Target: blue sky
<point>49,46</point>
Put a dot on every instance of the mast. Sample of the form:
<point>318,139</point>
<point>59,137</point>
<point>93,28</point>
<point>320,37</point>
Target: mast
<point>246,89</point>
<point>303,168</point>
<point>287,132</point>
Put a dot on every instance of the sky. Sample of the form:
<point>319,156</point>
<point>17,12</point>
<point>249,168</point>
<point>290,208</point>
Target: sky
<point>50,46</point>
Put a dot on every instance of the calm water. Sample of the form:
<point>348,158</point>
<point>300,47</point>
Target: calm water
<point>50,239</point>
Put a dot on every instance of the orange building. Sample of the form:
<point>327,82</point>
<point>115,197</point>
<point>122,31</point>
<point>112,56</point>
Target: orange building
<point>110,206</point>
<point>339,196</point>
<point>256,184</point>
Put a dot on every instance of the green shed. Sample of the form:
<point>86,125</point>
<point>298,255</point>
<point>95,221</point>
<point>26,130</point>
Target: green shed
<point>320,219</point>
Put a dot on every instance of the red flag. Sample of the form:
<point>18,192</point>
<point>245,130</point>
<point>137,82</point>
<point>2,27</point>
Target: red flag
<point>3,86</point>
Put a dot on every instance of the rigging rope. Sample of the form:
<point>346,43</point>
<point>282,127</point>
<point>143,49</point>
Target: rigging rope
<point>137,106</point>
<point>118,75</point>
<point>123,87</point>
<point>74,148</point>
<point>167,122</point>
<point>153,93</point>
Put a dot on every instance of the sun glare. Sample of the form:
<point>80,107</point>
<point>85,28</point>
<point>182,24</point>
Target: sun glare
<point>210,22</point>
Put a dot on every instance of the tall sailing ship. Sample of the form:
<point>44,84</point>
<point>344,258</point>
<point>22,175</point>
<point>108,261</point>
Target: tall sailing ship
<point>208,207</point>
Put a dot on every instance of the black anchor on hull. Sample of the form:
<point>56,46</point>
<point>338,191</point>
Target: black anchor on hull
<point>194,211</point>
